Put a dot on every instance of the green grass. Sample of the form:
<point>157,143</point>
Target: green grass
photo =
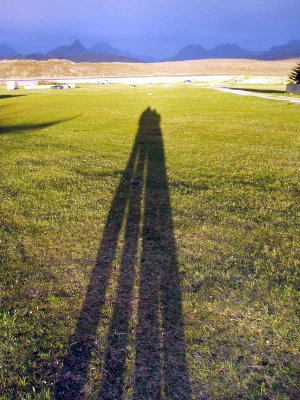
<point>233,174</point>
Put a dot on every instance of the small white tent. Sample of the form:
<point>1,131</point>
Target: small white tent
<point>12,85</point>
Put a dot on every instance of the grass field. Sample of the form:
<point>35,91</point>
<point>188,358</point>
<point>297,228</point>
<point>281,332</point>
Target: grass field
<point>149,254</point>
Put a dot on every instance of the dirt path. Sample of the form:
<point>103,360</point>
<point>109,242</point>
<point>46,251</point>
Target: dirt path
<point>263,96</point>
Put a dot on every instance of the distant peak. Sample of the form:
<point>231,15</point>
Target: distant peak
<point>294,42</point>
<point>194,46</point>
<point>227,46</point>
<point>6,50</point>
<point>77,44</point>
<point>5,45</point>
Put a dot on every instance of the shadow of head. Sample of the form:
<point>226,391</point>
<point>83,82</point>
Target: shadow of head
<point>149,126</point>
<point>149,116</point>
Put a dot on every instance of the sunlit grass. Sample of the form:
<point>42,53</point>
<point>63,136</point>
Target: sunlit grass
<point>233,170</point>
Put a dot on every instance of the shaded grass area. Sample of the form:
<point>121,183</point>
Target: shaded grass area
<point>8,96</point>
<point>28,127</point>
<point>277,90</point>
<point>268,91</point>
<point>231,168</point>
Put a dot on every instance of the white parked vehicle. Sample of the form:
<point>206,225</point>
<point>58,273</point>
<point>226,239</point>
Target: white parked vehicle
<point>103,82</point>
<point>12,85</point>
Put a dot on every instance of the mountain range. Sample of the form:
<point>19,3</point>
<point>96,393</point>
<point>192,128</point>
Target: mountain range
<point>197,52</point>
<point>8,52</point>
<point>100,52</point>
<point>103,52</point>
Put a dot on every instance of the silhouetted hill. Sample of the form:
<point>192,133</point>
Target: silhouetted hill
<point>288,50</point>
<point>35,56</point>
<point>76,52</point>
<point>191,52</point>
<point>75,49</point>
<point>101,52</point>
<point>105,48</point>
<point>197,52</point>
<point>147,59</point>
<point>104,52</point>
<point>230,51</point>
<point>8,52</point>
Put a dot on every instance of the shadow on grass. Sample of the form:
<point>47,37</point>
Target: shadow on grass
<point>142,205</point>
<point>31,127</point>
<point>10,96</point>
<point>267,91</point>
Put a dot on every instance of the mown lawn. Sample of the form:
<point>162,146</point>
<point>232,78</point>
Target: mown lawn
<point>229,192</point>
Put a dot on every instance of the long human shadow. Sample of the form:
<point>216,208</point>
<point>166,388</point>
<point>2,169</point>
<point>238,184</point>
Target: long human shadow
<point>142,203</point>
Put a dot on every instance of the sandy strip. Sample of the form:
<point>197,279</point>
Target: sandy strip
<point>261,95</point>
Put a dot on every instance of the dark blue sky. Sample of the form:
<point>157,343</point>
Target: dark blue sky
<point>153,27</point>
